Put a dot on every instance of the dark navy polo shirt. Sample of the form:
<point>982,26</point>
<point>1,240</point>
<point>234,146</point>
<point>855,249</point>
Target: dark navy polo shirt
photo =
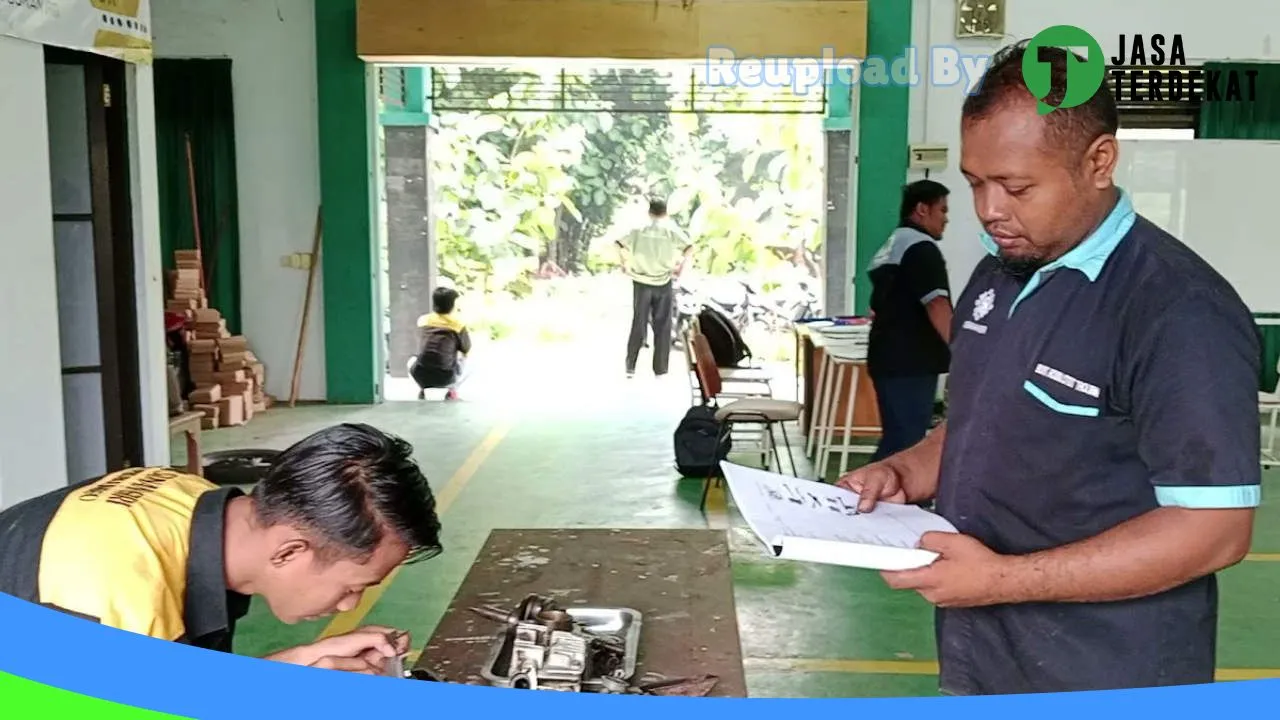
<point>1121,378</point>
<point>906,275</point>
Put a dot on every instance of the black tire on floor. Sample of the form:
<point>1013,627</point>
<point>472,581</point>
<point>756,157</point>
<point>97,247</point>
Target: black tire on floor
<point>237,467</point>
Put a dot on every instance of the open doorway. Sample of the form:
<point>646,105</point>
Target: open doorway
<point>531,173</point>
<point>93,243</point>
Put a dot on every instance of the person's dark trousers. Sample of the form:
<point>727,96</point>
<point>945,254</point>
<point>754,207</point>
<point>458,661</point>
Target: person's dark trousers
<point>906,411</point>
<point>428,377</point>
<point>651,304</point>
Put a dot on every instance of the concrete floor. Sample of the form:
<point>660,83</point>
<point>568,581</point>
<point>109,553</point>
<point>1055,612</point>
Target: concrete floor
<point>520,454</point>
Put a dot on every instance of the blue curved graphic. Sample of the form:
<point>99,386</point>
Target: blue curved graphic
<point>76,655</point>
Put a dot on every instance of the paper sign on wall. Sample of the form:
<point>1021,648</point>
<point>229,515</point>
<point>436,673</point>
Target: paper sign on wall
<point>115,28</point>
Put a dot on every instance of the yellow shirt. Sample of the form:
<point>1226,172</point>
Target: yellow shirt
<point>124,550</point>
<point>654,251</point>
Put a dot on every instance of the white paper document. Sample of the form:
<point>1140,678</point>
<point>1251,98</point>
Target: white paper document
<point>814,522</point>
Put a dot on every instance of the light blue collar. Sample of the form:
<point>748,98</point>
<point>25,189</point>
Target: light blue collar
<point>1092,253</point>
<point>1089,256</point>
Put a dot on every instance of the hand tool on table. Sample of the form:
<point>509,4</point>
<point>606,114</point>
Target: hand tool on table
<point>395,663</point>
<point>697,686</point>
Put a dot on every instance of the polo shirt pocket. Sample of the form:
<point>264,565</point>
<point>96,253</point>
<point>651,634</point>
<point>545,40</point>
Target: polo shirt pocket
<point>1058,406</point>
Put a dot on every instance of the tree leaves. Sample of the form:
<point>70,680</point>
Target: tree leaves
<point>514,184</point>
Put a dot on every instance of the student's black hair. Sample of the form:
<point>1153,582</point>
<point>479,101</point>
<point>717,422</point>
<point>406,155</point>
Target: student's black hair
<point>920,191</point>
<point>443,300</point>
<point>347,486</point>
<point>657,207</point>
<point>1070,129</point>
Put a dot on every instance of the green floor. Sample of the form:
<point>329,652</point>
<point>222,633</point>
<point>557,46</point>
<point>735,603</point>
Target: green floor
<point>603,459</point>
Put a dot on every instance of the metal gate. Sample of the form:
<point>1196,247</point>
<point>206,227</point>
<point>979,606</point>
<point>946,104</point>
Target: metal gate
<point>628,89</point>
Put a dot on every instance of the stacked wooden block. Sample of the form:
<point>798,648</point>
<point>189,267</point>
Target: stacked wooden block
<point>228,377</point>
<point>186,293</point>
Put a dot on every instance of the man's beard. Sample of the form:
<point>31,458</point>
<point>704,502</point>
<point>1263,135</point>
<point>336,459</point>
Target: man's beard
<point>1021,268</point>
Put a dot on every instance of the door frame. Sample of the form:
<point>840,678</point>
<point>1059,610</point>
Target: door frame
<point>113,242</point>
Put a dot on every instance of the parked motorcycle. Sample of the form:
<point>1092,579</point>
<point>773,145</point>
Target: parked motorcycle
<point>685,309</point>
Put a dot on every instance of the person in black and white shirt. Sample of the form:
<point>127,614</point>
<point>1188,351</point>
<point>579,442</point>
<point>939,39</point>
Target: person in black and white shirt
<point>911,302</point>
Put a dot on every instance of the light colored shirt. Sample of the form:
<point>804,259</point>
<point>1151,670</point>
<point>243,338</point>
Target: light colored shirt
<point>654,250</point>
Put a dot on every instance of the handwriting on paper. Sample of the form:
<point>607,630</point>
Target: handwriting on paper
<point>808,499</point>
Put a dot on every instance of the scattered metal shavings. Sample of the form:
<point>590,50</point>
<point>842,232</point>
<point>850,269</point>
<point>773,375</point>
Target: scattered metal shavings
<point>524,561</point>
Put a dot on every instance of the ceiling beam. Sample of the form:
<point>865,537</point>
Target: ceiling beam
<point>405,31</point>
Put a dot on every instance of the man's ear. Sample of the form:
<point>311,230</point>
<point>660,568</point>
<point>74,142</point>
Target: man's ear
<point>1101,160</point>
<point>289,551</point>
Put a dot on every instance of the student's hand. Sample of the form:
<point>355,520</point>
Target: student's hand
<point>362,651</point>
<point>877,482</point>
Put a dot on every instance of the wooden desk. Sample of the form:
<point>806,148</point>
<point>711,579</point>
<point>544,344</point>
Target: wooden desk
<point>866,409</point>
<point>679,580</point>
<point>189,424</point>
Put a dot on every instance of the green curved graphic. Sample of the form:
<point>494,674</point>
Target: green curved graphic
<point>1084,77</point>
<point>39,700</point>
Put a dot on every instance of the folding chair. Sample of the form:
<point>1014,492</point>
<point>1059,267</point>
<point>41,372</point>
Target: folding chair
<point>1269,404</point>
<point>755,411</point>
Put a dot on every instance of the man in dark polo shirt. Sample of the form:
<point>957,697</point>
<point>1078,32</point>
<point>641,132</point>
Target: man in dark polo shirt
<point>1100,456</point>
<point>911,300</point>
<point>169,555</point>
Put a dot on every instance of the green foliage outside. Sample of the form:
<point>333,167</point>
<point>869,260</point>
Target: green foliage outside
<point>517,188</point>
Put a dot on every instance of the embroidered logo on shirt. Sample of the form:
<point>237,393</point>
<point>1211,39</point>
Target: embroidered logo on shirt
<point>983,306</point>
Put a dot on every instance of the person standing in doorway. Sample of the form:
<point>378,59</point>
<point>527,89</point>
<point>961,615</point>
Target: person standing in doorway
<point>911,329</point>
<point>653,255</point>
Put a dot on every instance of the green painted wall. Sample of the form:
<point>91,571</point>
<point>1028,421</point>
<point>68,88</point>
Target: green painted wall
<point>839,101</point>
<point>348,252</point>
<point>883,114</point>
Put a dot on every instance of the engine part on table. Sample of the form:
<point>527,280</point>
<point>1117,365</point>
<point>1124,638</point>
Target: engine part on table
<point>546,647</point>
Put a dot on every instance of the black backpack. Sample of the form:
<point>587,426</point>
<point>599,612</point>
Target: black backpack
<point>701,443</point>
<point>727,345</point>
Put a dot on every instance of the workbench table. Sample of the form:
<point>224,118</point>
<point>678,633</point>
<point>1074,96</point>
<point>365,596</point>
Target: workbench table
<point>679,580</point>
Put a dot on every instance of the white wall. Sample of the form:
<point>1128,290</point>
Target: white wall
<point>1224,30</point>
<point>1206,192</point>
<point>32,444</point>
<point>272,50</point>
<point>148,266</point>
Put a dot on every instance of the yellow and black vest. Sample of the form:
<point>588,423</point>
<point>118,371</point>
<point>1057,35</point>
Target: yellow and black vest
<point>140,550</point>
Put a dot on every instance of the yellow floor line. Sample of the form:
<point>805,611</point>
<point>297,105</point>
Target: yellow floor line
<point>1262,557</point>
<point>871,667</point>
<point>930,667</point>
<point>352,619</point>
<point>717,508</point>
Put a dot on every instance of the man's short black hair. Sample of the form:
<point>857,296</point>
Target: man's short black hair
<point>347,486</point>
<point>1070,129</point>
<point>657,207</point>
<point>920,191</point>
<point>443,300</point>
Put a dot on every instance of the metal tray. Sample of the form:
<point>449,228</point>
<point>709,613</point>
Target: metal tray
<point>623,623</point>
